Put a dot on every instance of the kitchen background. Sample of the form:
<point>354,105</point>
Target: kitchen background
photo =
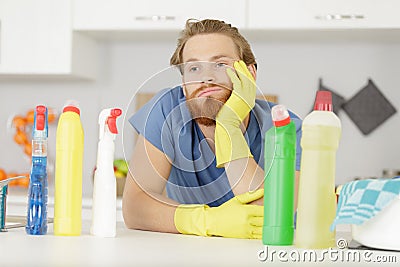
<point>116,60</point>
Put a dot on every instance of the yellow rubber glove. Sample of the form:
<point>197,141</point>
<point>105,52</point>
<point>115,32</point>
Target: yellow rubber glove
<point>235,218</point>
<point>230,143</point>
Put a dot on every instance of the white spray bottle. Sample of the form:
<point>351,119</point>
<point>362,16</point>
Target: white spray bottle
<point>104,189</point>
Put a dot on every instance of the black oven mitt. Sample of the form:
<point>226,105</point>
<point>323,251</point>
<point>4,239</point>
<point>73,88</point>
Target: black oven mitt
<point>369,108</point>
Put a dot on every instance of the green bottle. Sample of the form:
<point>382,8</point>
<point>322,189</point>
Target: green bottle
<point>279,183</point>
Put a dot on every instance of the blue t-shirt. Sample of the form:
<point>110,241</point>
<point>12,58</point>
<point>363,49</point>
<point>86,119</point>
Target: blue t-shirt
<point>166,122</point>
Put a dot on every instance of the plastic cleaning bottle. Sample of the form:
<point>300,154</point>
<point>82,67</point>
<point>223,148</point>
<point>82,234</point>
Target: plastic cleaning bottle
<point>104,206</point>
<point>36,219</point>
<point>321,131</point>
<point>68,178</point>
<point>3,205</point>
<point>280,169</point>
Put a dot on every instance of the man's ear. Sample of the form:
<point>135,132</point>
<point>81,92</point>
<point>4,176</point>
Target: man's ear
<point>184,90</point>
<point>253,71</point>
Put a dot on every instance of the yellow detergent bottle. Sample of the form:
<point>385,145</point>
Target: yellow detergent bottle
<point>321,131</point>
<point>68,178</point>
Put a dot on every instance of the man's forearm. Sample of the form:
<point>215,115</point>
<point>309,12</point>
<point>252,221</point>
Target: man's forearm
<point>151,213</point>
<point>244,175</point>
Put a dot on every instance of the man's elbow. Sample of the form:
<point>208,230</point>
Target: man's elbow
<point>130,212</point>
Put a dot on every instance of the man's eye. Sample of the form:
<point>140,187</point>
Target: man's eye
<point>193,68</point>
<point>221,64</point>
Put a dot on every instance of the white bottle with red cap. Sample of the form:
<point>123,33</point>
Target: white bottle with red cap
<point>321,131</point>
<point>104,206</point>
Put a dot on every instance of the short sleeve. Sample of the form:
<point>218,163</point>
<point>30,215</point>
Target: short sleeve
<point>262,112</point>
<point>297,122</point>
<point>151,121</point>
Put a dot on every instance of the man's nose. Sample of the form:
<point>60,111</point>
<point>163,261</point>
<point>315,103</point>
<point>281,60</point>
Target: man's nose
<point>208,80</point>
<point>208,75</point>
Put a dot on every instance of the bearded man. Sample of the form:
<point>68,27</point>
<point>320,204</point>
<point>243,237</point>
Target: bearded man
<point>198,164</point>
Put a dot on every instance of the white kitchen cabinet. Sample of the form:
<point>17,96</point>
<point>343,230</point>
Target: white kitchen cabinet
<point>153,14</point>
<point>323,14</point>
<point>36,38</point>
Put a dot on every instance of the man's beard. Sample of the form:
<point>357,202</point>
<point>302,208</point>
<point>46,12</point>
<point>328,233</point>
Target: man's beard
<point>204,110</point>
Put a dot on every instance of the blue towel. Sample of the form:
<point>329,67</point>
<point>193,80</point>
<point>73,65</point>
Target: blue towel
<point>361,200</point>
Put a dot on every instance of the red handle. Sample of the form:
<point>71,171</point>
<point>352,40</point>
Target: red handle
<point>112,120</point>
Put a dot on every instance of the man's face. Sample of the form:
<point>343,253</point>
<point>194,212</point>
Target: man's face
<point>206,85</point>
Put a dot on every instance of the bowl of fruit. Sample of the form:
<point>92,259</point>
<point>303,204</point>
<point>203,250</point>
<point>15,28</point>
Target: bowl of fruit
<point>120,171</point>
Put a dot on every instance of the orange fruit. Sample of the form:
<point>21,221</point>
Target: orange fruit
<point>14,182</point>
<point>19,122</point>
<point>24,182</point>
<point>30,116</point>
<point>3,174</point>
<point>51,115</point>
<point>20,138</point>
<point>28,149</point>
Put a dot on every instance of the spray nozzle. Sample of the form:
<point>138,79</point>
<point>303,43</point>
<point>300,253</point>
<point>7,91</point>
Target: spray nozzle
<point>40,124</point>
<point>108,121</point>
<point>40,118</point>
<point>112,120</point>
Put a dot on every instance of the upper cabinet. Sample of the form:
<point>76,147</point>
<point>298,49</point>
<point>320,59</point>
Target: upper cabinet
<point>126,15</point>
<point>153,14</point>
<point>323,14</point>
<point>48,37</point>
<point>36,38</point>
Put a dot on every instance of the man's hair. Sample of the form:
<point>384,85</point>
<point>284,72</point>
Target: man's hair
<point>194,27</point>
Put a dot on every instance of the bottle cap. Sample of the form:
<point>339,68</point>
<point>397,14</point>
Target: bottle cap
<point>73,109</point>
<point>323,101</point>
<point>112,120</point>
<point>40,117</point>
<point>40,123</point>
<point>72,105</point>
<point>280,115</point>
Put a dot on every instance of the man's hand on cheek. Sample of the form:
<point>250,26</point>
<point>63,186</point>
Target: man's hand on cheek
<point>243,95</point>
<point>231,115</point>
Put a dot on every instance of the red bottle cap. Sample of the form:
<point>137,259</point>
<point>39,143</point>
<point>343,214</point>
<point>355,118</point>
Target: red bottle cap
<point>323,101</point>
<point>280,115</point>
<point>112,120</point>
<point>73,109</point>
<point>40,117</point>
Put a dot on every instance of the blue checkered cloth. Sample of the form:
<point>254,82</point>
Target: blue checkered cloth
<point>361,200</point>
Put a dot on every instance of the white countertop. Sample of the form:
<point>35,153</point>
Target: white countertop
<point>142,248</point>
<point>128,248</point>
<point>17,200</point>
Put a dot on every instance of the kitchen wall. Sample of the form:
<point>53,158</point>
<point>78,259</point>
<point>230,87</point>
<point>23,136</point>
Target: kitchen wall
<point>288,67</point>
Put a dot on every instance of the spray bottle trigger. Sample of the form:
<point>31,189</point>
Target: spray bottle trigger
<point>116,112</point>
<point>112,120</point>
<point>40,118</point>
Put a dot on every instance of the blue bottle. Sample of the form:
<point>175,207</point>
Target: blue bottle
<point>36,220</point>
